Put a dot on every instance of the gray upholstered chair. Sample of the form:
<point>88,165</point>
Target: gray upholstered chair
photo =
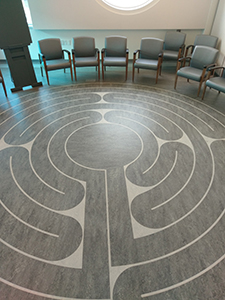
<point>201,60</point>
<point>3,83</point>
<point>85,54</point>
<point>51,56</point>
<point>202,40</point>
<point>149,56</point>
<point>215,82</point>
<point>174,45</point>
<point>115,53</point>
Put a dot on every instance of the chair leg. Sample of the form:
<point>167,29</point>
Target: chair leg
<point>203,93</point>
<point>47,76</point>
<point>177,67</point>
<point>40,61</point>
<point>98,67</point>
<point>199,88</point>
<point>157,75</point>
<point>46,71</point>
<point>133,74</point>
<point>98,71</point>
<point>102,71</point>
<point>75,73</point>
<point>160,70</point>
<point>4,88</point>
<point>175,84</point>
<point>126,71</point>
<point>74,67</point>
<point>71,72</point>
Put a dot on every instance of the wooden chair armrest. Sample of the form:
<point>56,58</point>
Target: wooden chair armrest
<point>207,67</point>
<point>64,50</point>
<point>127,54</point>
<point>216,68</point>
<point>190,46</point>
<point>135,53</point>
<point>103,53</point>
<point>184,58</point>
<point>211,71</point>
<point>187,49</point>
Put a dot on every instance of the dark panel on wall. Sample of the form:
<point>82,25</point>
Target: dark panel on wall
<point>13,25</point>
<point>14,40</point>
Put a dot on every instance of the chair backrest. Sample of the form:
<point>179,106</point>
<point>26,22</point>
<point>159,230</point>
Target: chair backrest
<point>150,48</point>
<point>116,45</point>
<point>174,40</point>
<point>203,56</point>
<point>206,40</point>
<point>84,46</point>
<point>51,48</point>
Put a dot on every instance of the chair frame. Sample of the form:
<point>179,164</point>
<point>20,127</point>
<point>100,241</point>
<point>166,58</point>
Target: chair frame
<point>43,59</point>
<point>3,84</point>
<point>210,74</point>
<point>158,71</point>
<point>74,63</point>
<point>104,67</point>
<point>182,62</point>
<point>180,51</point>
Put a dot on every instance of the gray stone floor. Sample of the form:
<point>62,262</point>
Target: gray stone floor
<point>112,190</point>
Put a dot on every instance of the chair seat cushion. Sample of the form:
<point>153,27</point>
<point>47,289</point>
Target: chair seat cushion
<point>217,83</point>
<point>55,64</point>
<point>86,61</point>
<point>114,61</point>
<point>191,73</point>
<point>146,64</point>
<point>170,55</point>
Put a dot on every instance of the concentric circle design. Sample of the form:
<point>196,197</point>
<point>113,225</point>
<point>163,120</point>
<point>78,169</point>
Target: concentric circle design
<point>111,192</point>
<point>103,146</point>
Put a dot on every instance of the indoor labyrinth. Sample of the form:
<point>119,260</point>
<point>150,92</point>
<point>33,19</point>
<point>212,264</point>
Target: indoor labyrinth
<point>111,191</point>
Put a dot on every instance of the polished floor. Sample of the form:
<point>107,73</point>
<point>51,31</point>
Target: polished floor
<point>112,190</point>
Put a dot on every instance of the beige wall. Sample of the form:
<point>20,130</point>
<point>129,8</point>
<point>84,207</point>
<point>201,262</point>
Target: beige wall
<point>165,22</point>
<point>90,14</point>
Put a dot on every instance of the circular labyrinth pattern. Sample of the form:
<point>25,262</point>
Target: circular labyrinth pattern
<point>111,192</point>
